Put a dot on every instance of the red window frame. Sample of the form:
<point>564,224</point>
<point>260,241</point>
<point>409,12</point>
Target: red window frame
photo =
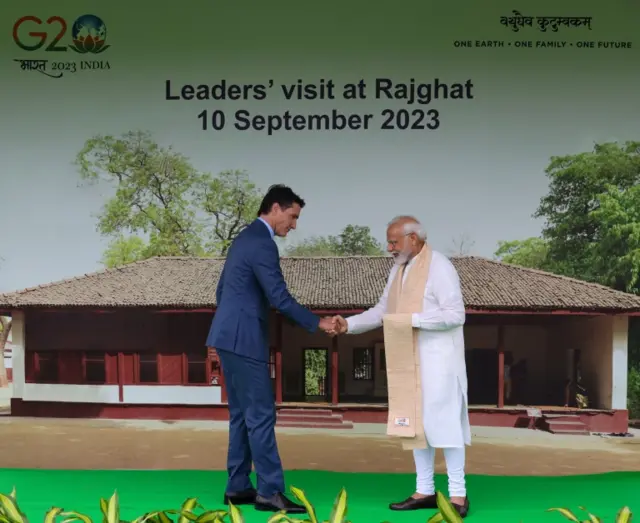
<point>186,359</point>
<point>33,366</point>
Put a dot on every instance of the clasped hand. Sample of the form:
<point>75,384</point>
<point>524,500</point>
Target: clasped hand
<point>333,325</point>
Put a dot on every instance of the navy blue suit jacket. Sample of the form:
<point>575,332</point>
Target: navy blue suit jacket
<point>251,282</point>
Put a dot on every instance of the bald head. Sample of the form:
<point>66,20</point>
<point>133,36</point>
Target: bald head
<point>405,238</point>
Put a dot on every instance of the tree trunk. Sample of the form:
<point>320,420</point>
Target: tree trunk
<point>4,336</point>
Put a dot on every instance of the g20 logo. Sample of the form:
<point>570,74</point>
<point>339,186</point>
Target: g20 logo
<point>88,34</point>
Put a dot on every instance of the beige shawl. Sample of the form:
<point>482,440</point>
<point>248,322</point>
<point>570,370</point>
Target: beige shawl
<point>402,355</point>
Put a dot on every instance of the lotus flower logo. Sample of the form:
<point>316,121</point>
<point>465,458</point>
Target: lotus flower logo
<point>89,35</point>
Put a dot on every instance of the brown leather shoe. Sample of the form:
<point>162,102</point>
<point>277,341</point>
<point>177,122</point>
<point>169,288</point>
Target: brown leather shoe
<point>463,510</point>
<point>412,503</point>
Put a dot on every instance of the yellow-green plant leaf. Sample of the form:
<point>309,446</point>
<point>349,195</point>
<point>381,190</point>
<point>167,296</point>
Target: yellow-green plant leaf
<point>113,509</point>
<point>339,512</point>
<point>624,516</point>
<point>302,498</point>
<point>52,514</point>
<point>14,494</point>
<point>210,516</point>
<point>566,513</point>
<point>3,519</point>
<point>104,507</point>
<point>436,518</point>
<point>449,514</point>
<point>234,514</point>
<point>187,510</point>
<point>162,517</point>
<point>592,518</point>
<point>280,517</point>
<point>11,510</point>
<point>149,517</point>
<point>76,516</point>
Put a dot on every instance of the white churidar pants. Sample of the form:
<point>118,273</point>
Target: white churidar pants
<point>425,467</point>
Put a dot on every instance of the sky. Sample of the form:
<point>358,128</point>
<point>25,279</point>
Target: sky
<point>481,174</point>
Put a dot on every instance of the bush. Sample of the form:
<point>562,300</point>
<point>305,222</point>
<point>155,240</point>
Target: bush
<point>624,515</point>
<point>11,513</point>
<point>633,393</point>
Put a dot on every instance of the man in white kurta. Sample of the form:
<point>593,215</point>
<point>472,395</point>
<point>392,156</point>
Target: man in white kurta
<point>442,364</point>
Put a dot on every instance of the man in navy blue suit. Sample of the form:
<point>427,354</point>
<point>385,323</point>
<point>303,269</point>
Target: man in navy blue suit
<point>250,284</point>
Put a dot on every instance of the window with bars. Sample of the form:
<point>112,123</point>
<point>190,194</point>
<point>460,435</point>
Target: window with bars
<point>362,363</point>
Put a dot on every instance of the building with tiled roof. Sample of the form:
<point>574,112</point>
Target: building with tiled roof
<point>340,283</point>
<point>129,342</point>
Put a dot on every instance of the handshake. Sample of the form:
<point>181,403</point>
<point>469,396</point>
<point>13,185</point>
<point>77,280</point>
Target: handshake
<point>333,326</point>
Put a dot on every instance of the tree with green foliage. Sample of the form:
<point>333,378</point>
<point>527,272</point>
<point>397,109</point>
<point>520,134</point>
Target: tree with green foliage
<point>531,252</point>
<point>592,222</point>
<point>232,201</point>
<point>315,246</point>
<point>123,250</point>
<point>354,240</point>
<point>587,193</point>
<point>315,371</point>
<point>615,253</point>
<point>158,195</point>
<point>592,229</point>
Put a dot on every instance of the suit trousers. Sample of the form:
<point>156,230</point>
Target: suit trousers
<point>252,419</point>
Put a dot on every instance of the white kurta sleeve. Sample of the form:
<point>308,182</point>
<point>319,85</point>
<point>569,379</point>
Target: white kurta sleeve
<point>448,312</point>
<point>371,318</point>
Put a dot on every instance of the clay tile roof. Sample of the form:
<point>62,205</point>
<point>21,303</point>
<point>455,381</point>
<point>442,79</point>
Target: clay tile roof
<point>320,283</point>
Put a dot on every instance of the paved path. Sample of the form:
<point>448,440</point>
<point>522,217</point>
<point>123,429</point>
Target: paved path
<point>82,444</point>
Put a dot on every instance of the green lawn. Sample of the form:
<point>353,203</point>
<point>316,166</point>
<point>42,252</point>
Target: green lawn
<point>493,498</point>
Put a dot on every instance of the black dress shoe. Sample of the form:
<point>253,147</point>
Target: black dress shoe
<point>244,497</point>
<point>278,502</point>
<point>463,510</point>
<point>412,503</point>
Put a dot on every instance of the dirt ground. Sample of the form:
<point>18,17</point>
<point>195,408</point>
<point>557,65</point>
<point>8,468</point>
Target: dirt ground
<point>72,444</point>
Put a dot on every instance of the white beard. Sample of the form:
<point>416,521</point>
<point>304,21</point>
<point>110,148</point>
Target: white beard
<point>401,258</point>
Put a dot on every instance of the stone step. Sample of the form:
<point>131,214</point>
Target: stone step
<point>315,419</point>
<point>306,412</point>
<point>570,432</point>
<point>568,423</point>
<point>565,426</point>
<point>314,425</point>
<point>562,417</point>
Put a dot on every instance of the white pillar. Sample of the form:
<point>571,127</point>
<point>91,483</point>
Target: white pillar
<point>619,362</point>
<point>18,339</point>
